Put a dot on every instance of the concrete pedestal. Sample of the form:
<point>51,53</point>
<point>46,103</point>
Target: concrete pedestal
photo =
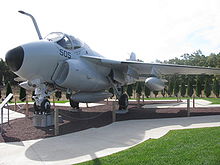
<point>123,111</point>
<point>43,120</point>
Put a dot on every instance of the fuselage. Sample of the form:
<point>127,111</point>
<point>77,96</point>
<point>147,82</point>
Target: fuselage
<point>57,60</point>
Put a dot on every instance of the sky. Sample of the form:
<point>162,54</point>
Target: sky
<point>152,29</point>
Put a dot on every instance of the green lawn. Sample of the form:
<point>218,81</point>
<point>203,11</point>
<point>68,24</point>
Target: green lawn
<point>179,147</point>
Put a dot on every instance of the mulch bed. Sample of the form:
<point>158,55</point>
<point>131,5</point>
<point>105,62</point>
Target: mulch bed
<point>93,117</point>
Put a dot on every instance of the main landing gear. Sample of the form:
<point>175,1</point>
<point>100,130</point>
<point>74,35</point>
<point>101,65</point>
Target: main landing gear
<point>73,104</point>
<point>123,102</point>
<point>122,97</point>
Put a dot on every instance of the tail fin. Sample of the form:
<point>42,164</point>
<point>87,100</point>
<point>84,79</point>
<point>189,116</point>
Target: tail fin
<point>132,57</point>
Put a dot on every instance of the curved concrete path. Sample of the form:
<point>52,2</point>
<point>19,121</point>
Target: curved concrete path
<point>96,142</point>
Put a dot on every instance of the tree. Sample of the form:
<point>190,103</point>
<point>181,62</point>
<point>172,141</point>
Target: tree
<point>58,95</point>
<point>68,95</point>
<point>198,86</point>
<point>190,87</point>
<point>130,90</point>
<point>176,87</point>
<point>138,89</point>
<point>207,88</point>
<point>8,90</point>
<point>155,93</point>
<point>163,92</point>
<point>170,87</point>
<point>22,95</point>
<point>183,89</point>
<point>215,87</point>
<point>146,91</point>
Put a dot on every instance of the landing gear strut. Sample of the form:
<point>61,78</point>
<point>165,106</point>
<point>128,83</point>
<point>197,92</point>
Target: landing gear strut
<point>122,97</point>
<point>42,104</point>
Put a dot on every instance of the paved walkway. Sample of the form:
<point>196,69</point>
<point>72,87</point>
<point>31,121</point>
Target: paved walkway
<point>183,104</point>
<point>96,142</point>
<point>12,115</point>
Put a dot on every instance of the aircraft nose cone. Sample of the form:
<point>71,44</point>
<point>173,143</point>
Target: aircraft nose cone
<point>14,58</point>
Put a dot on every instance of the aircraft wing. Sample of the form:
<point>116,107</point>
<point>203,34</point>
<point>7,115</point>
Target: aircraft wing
<point>152,68</point>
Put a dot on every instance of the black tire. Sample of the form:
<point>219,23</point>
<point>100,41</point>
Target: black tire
<point>45,106</point>
<point>74,104</point>
<point>36,108</point>
<point>123,102</point>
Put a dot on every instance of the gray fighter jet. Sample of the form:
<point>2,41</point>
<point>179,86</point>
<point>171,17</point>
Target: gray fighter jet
<point>63,62</point>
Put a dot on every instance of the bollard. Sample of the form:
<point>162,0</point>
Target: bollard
<point>113,112</point>
<point>15,107</point>
<point>193,102</point>
<point>56,121</point>
<point>27,108</point>
<point>87,105</point>
<point>188,107</point>
<point>53,102</point>
<point>8,112</point>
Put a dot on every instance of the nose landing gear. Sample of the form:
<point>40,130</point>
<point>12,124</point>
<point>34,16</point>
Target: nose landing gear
<point>43,108</point>
<point>42,104</point>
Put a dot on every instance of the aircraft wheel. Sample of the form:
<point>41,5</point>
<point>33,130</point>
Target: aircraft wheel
<point>123,101</point>
<point>74,104</point>
<point>36,108</point>
<point>45,106</point>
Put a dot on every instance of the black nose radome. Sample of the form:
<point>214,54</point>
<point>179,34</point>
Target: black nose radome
<point>14,58</point>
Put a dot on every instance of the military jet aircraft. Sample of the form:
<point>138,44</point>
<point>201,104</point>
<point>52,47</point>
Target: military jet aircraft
<point>63,62</point>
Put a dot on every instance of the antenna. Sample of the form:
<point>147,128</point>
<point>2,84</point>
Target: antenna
<point>35,23</point>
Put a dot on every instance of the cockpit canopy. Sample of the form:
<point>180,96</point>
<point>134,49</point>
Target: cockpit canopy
<point>64,40</point>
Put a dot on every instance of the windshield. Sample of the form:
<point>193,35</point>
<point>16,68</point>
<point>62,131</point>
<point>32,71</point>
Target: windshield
<point>55,36</point>
<point>60,38</point>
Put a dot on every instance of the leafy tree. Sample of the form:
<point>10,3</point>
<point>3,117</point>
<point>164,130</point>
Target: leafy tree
<point>130,90</point>
<point>138,89</point>
<point>155,93</point>
<point>215,87</point>
<point>163,92</point>
<point>170,87</point>
<point>58,95</point>
<point>190,87</point>
<point>176,87</point>
<point>198,86</point>
<point>68,95</point>
<point>207,88</point>
<point>183,89</point>
<point>146,91</point>
<point>8,90</point>
<point>22,95</point>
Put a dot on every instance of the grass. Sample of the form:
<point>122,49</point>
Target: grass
<point>179,147</point>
